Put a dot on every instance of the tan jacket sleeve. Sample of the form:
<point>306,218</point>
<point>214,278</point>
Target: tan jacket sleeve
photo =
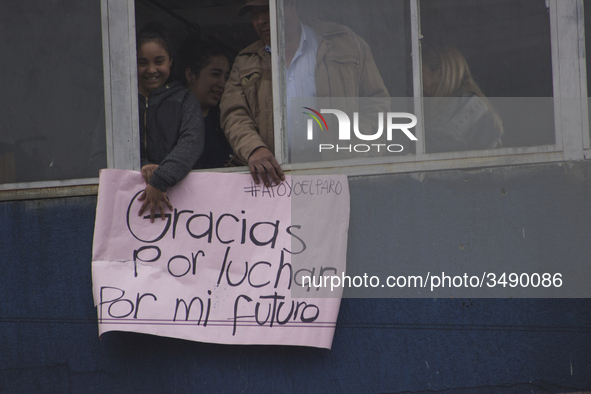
<point>241,104</point>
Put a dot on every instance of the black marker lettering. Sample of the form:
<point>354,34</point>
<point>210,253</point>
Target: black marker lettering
<point>252,269</point>
<point>208,232</point>
<point>312,272</point>
<point>136,257</point>
<point>139,299</point>
<point>177,258</point>
<point>274,297</point>
<point>288,230</point>
<point>282,189</point>
<point>241,280</point>
<point>247,298</point>
<point>309,319</point>
<point>318,186</point>
<point>177,214</point>
<point>280,270</point>
<point>166,227</point>
<point>302,318</point>
<point>114,302</point>
<point>223,265</point>
<point>243,240</point>
<point>282,322</point>
<point>321,274</point>
<point>208,309</point>
<point>256,314</point>
<point>194,256</point>
<point>271,241</point>
<point>217,227</point>
<point>188,308</point>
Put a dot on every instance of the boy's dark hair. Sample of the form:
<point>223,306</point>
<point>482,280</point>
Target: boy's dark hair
<point>196,53</point>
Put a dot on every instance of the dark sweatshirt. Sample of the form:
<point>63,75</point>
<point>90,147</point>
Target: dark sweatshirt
<point>171,133</point>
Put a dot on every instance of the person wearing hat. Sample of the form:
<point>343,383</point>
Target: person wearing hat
<point>323,59</point>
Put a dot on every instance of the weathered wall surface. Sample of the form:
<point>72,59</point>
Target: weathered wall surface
<point>48,330</point>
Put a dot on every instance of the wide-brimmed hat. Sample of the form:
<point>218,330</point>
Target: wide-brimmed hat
<point>251,3</point>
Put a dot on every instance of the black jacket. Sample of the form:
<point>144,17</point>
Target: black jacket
<point>217,152</point>
<point>171,133</point>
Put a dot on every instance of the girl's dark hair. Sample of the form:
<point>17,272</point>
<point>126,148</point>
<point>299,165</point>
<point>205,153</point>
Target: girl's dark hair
<point>156,31</point>
<point>196,53</point>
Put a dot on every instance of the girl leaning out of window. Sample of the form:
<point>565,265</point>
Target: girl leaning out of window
<point>171,122</point>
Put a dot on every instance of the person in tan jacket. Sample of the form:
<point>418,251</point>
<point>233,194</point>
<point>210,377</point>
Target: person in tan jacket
<point>343,67</point>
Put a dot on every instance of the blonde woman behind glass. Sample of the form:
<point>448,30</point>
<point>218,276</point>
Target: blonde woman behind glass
<point>457,114</point>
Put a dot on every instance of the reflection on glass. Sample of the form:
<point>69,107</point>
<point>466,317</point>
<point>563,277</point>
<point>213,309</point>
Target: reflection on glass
<point>458,116</point>
<point>507,45</point>
<point>333,48</point>
<point>343,49</point>
<point>52,119</point>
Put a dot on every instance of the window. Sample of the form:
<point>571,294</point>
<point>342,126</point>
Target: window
<point>52,110</point>
<point>523,55</point>
<point>80,110</point>
<point>69,110</point>
<point>507,45</point>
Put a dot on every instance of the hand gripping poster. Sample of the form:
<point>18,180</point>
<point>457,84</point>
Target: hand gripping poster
<point>233,262</point>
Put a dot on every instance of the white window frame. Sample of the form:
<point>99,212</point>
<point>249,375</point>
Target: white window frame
<point>121,94</point>
<point>122,123</point>
<point>583,68</point>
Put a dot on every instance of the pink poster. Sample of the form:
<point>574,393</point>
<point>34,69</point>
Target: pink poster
<point>227,265</point>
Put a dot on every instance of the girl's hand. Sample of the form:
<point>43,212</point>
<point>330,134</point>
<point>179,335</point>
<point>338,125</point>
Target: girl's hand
<point>147,172</point>
<point>154,198</point>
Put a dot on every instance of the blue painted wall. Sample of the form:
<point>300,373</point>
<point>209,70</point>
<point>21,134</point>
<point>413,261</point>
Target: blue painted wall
<point>49,338</point>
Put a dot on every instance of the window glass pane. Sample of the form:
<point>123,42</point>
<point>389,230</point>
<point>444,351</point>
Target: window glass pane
<point>360,49</point>
<point>383,24</point>
<point>52,119</point>
<point>505,45</point>
<point>348,57</point>
<point>587,7</point>
<point>206,36</point>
